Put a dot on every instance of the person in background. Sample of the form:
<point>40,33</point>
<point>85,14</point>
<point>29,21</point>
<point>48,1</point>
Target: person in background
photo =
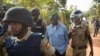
<point>96,25</point>
<point>57,35</point>
<point>39,26</point>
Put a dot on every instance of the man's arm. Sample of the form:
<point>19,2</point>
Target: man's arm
<point>2,38</point>
<point>44,24</point>
<point>66,36</point>
<point>70,32</point>
<point>90,41</point>
<point>69,35</point>
<point>47,37</point>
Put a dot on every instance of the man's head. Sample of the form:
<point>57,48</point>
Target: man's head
<point>35,13</point>
<point>76,17</point>
<point>17,28</point>
<point>19,19</point>
<point>54,19</point>
<point>4,7</point>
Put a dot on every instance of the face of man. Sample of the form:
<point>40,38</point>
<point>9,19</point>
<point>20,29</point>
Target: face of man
<point>35,13</point>
<point>35,16</point>
<point>54,20</point>
<point>76,20</point>
<point>16,28</point>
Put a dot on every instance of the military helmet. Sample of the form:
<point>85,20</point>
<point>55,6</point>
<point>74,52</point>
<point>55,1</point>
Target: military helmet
<point>20,15</point>
<point>76,14</point>
<point>35,11</point>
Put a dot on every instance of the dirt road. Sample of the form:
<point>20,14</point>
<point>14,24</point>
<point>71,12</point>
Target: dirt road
<point>96,46</point>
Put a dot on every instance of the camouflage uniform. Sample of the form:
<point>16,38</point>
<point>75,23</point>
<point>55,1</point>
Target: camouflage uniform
<point>79,39</point>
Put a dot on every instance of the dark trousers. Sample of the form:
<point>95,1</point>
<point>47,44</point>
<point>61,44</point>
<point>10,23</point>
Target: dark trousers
<point>96,31</point>
<point>58,54</point>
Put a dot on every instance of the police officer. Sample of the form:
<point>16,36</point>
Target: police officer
<point>39,24</point>
<point>22,41</point>
<point>80,34</point>
<point>39,27</point>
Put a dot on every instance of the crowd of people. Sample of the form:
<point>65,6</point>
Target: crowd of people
<point>25,34</point>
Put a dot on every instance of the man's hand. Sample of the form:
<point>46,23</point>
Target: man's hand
<point>48,45</point>
<point>91,53</point>
<point>2,38</point>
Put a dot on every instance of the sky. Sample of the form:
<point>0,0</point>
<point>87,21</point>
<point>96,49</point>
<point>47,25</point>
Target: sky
<point>83,5</point>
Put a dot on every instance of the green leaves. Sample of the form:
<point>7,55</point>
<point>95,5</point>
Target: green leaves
<point>62,2</point>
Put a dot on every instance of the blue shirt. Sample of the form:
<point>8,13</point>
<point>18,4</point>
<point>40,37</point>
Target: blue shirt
<point>58,37</point>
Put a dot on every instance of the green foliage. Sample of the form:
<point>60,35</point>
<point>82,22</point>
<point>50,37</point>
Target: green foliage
<point>94,10</point>
<point>47,7</point>
<point>98,10</point>
<point>67,18</point>
<point>63,2</point>
<point>68,14</point>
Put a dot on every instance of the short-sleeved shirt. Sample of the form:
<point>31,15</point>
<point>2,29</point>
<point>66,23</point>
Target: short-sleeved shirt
<point>78,34</point>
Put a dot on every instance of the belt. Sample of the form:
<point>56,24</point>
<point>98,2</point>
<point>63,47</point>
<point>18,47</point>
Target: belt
<point>81,47</point>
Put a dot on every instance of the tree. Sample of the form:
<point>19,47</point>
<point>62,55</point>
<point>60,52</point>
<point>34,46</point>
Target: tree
<point>98,10</point>
<point>47,6</point>
<point>62,2</point>
<point>97,7</point>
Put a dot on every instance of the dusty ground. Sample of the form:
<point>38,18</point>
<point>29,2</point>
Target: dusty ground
<point>96,47</point>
